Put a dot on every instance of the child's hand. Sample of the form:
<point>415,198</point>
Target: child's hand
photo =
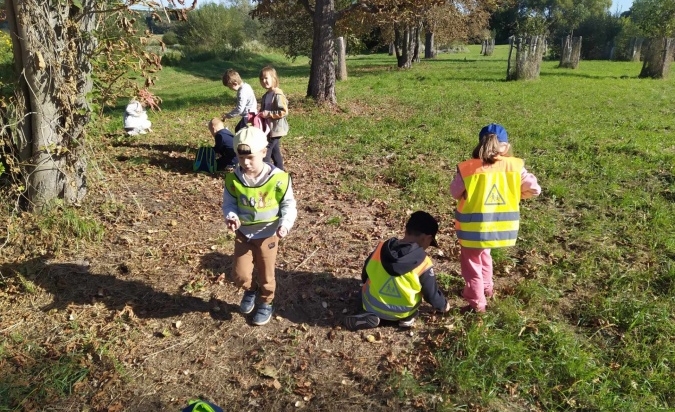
<point>282,232</point>
<point>266,113</point>
<point>232,222</point>
<point>446,309</point>
<point>527,193</point>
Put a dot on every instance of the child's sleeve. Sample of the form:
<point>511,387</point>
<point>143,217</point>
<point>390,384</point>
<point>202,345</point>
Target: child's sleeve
<point>364,273</point>
<point>529,187</point>
<point>288,208</point>
<point>229,204</point>
<point>281,103</point>
<point>457,187</point>
<point>242,102</point>
<point>430,290</point>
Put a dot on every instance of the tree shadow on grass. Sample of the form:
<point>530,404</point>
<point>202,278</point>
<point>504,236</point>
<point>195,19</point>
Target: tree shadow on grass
<point>174,157</point>
<point>247,66</point>
<point>562,72</point>
<point>73,283</point>
<point>317,299</point>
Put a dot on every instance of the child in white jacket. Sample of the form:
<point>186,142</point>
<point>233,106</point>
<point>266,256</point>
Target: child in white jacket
<point>136,119</point>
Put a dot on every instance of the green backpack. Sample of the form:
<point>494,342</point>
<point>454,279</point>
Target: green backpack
<point>198,405</point>
<point>205,160</point>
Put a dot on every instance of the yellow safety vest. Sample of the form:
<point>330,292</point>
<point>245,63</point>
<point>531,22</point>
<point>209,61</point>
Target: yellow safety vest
<point>489,215</point>
<point>392,297</point>
<point>258,204</point>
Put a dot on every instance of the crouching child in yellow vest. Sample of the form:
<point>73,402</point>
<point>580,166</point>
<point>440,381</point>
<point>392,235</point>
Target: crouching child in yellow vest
<point>259,206</point>
<point>398,275</point>
<point>489,188</point>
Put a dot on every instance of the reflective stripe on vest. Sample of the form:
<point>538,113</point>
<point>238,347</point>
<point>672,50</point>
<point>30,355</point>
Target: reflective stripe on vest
<point>392,297</point>
<point>258,204</point>
<point>489,216</point>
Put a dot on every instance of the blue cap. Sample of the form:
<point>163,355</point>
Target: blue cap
<point>497,129</point>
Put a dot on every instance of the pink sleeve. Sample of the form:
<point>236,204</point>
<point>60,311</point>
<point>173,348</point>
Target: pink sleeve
<point>457,187</point>
<point>528,185</point>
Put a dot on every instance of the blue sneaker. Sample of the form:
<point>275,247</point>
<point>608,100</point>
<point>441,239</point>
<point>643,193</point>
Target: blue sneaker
<point>263,314</point>
<point>247,302</point>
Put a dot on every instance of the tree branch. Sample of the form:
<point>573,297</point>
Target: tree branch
<point>358,4</point>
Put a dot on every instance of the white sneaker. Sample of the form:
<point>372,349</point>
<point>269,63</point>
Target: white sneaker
<point>406,323</point>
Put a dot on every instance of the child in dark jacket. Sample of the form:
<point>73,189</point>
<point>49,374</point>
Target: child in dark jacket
<point>224,145</point>
<point>398,275</point>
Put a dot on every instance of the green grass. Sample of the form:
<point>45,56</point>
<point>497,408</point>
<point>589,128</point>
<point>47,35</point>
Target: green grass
<point>64,227</point>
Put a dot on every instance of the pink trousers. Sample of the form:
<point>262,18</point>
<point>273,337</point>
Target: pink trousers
<point>477,274</point>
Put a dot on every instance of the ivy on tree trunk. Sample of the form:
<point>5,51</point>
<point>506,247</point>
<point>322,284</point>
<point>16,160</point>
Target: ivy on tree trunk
<point>52,42</point>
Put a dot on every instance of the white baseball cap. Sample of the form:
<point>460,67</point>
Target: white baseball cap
<point>252,137</point>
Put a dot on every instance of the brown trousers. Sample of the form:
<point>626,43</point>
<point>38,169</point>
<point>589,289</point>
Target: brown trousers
<point>258,253</point>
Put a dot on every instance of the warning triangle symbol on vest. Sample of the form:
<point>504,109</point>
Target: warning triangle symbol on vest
<point>390,289</point>
<point>494,198</point>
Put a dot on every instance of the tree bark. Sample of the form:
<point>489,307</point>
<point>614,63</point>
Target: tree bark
<point>635,48</point>
<point>429,51</point>
<point>404,45</point>
<point>55,78</point>
<point>322,72</point>
<point>657,58</point>
<point>416,45</point>
<point>488,47</point>
<point>571,52</point>
<point>341,59</point>
<point>529,54</point>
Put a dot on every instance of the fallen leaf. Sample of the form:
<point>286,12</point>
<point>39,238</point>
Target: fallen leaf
<point>268,371</point>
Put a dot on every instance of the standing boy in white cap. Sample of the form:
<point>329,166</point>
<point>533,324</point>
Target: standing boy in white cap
<point>398,275</point>
<point>259,206</point>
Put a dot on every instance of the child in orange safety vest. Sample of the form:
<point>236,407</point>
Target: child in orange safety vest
<point>489,188</point>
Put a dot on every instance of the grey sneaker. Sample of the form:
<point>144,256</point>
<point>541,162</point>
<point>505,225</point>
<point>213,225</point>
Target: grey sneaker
<point>263,314</point>
<point>247,302</point>
<point>362,321</point>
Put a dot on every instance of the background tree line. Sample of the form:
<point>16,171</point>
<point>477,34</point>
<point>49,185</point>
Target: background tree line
<point>79,61</point>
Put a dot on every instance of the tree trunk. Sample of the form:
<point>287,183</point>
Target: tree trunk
<point>429,47</point>
<point>657,58</point>
<point>322,72</point>
<point>341,73</point>
<point>635,49</point>
<point>571,52</point>
<point>55,80</point>
<point>417,44</point>
<point>488,47</point>
<point>529,54</point>
<point>404,46</point>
